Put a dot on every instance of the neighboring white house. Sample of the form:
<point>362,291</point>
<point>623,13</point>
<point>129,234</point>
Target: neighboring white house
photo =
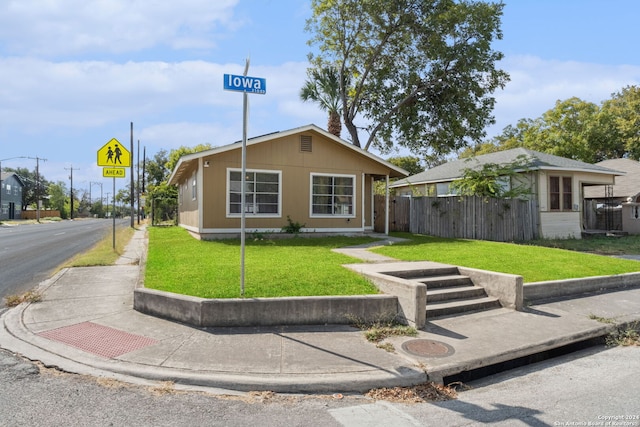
<point>557,183</point>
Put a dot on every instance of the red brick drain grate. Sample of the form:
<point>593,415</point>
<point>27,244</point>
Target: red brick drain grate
<point>97,339</point>
<point>428,348</point>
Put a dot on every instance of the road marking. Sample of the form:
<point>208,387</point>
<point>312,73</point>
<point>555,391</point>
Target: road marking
<point>60,234</point>
<point>379,413</point>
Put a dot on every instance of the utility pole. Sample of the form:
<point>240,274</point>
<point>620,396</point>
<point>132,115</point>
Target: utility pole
<point>131,193</point>
<point>38,185</point>
<point>138,182</point>
<point>144,168</point>
<point>91,184</point>
<point>71,178</point>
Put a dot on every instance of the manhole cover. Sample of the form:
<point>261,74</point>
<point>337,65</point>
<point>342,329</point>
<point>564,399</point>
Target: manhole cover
<point>428,348</point>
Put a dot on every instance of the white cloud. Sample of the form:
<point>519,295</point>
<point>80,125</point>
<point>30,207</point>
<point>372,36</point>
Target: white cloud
<point>46,27</point>
<point>167,136</point>
<point>536,84</point>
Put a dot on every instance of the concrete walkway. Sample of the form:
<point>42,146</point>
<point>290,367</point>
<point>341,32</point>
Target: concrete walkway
<point>86,324</point>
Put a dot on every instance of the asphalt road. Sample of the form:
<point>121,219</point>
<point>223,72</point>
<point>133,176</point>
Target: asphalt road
<point>596,386</point>
<point>30,253</point>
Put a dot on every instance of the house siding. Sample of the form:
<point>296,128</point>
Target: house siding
<point>560,225</point>
<point>11,200</point>
<point>283,155</point>
<point>188,211</point>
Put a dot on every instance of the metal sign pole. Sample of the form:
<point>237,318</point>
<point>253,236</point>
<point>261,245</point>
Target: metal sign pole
<point>243,182</point>
<point>113,213</point>
<point>246,85</point>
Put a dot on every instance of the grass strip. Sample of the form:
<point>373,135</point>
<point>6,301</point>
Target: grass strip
<point>102,253</point>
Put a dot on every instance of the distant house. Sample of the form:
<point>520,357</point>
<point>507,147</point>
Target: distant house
<point>305,174</point>
<point>10,196</point>
<point>622,199</point>
<point>557,184</point>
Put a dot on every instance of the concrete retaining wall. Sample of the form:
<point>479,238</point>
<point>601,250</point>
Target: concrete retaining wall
<point>412,296</point>
<point>508,288</point>
<point>563,288</point>
<point>264,311</point>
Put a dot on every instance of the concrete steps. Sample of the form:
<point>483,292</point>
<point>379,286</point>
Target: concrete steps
<point>450,308</point>
<point>450,293</point>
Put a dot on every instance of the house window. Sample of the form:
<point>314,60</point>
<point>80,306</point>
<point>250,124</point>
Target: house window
<point>332,195</point>
<point>443,189</point>
<point>262,192</point>
<point>560,196</point>
<point>194,188</point>
<point>635,212</point>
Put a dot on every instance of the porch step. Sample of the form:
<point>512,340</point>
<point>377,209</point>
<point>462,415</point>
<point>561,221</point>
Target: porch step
<point>449,308</point>
<point>424,273</point>
<point>445,281</point>
<point>455,293</point>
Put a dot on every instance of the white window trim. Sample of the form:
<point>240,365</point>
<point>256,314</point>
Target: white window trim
<point>194,186</point>
<point>252,214</point>
<point>335,175</point>
<point>561,194</point>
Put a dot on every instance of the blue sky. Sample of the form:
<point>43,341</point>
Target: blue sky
<point>75,73</point>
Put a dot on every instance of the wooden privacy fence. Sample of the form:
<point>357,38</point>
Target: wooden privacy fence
<point>399,213</point>
<point>502,220</point>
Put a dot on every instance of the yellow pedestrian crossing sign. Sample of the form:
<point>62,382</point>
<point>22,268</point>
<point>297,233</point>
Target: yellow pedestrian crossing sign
<point>114,154</point>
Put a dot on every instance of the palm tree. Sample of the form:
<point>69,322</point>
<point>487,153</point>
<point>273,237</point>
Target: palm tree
<point>323,87</point>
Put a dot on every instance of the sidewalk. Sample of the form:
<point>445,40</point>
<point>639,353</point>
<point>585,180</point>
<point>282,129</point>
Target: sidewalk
<point>86,324</point>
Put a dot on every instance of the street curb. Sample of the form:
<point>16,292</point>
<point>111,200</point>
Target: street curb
<point>18,339</point>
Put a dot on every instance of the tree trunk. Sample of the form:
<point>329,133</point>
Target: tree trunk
<point>334,126</point>
<point>353,132</point>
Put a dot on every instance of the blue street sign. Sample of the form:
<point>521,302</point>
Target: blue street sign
<point>245,84</point>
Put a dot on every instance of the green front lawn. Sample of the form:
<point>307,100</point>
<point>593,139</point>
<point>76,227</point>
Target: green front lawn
<point>534,263</point>
<point>307,267</point>
<point>273,268</point>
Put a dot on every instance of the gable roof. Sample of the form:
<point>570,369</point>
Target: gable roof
<point>625,186</point>
<point>538,161</point>
<point>6,175</point>
<point>185,161</point>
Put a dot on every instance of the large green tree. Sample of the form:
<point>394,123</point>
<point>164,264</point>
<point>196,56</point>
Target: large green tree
<point>58,198</point>
<point>176,153</point>
<point>623,113</point>
<point>156,168</point>
<point>416,73</point>
<point>576,129</point>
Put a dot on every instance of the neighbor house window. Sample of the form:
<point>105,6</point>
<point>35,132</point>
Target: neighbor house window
<point>444,189</point>
<point>262,192</point>
<point>560,197</point>
<point>194,188</point>
<point>332,195</point>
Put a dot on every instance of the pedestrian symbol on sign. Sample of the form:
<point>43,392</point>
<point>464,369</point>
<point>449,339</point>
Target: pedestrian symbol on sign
<point>113,153</point>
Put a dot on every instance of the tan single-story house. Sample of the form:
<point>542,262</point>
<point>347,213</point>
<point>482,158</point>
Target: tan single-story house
<point>306,174</point>
<point>623,197</point>
<point>556,183</point>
